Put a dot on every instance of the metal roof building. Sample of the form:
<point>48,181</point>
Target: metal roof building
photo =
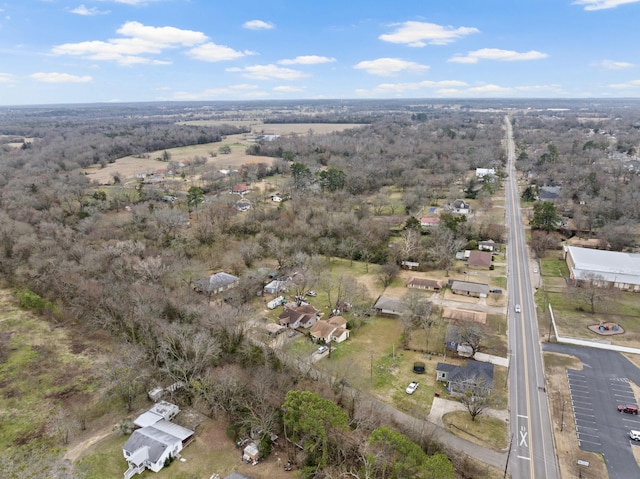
<point>604,268</point>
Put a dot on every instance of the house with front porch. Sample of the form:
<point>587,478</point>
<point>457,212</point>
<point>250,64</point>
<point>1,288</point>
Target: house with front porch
<point>475,377</point>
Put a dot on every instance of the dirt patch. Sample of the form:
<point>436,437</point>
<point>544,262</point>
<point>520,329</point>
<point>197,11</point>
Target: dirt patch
<point>607,329</point>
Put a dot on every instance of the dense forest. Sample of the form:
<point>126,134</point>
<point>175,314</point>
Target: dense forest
<point>123,261</point>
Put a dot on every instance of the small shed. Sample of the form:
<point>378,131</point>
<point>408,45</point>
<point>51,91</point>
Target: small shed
<point>251,453</point>
<point>276,286</point>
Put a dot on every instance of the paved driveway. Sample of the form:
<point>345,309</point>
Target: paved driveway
<point>595,393</point>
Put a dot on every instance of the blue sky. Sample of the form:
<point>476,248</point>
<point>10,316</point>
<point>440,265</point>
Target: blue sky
<point>60,51</point>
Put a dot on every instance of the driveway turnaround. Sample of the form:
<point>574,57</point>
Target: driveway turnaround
<point>595,393</point>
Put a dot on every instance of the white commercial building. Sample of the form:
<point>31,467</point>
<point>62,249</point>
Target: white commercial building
<point>604,268</point>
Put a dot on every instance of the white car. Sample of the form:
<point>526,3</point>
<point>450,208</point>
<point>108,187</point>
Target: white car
<point>411,388</point>
<point>323,349</point>
<point>517,308</point>
<point>635,435</point>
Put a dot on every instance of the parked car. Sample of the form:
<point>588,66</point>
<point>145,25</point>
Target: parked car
<point>291,334</point>
<point>323,349</point>
<point>313,294</point>
<point>517,308</point>
<point>411,388</point>
<point>628,408</point>
<point>635,435</point>
<point>496,290</point>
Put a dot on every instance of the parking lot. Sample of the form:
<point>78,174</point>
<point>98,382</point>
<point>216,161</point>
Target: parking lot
<point>594,396</point>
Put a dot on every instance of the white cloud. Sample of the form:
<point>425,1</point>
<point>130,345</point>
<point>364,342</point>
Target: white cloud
<point>385,89</point>
<point>82,10</point>
<point>55,77</point>
<point>602,4</point>
<point>6,78</point>
<point>630,84</point>
<point>390,66</point>
<point>489,89</point>
<point>139,40</point>
<point>613,65</point>
<point>456,88</point>
<point>162,36</point>
<point>134,2</point>
<point>268,72</point>
<point>419,34</point>
<point>242,90</point>
<point>257,25</point>
<point>497,55</point>
<point>211,52</point>
<point>307,60</point>
<point>288,89</point>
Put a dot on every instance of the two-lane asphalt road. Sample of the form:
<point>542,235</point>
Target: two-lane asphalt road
<point>532,452</point>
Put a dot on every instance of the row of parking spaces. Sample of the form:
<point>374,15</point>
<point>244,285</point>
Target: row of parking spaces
<point>583,411</point>
<point>590,418</point>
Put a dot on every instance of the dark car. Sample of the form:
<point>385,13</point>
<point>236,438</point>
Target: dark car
<point>628,408</point>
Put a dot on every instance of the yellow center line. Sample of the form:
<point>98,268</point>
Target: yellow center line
<point>517,233</point>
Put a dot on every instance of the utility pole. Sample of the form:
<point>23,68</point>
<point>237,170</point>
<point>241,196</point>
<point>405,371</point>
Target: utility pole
<point>506,466</point>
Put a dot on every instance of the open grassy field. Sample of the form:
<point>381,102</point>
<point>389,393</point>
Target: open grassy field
<point>572,314</point>
<point>485,431</point>
<point>128,166</point>
<point>40,375</point>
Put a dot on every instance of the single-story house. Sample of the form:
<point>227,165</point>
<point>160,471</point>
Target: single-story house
<point>547,193</point>
<point>240,189</point>
<point>475,376</point>
<point>460,207</point>
<point>295,317</point>
<point>410,265</point>
<point>333,329</point>
<point>161,410</point>
<point>151,446</point>
<point>237,475</point>
<point>482,172</point>
<point>429,222</point>
<point>479,260</point>
<point>275,287</point>
<point>606,269</point>
<point>243,205</point>
<point>467,288</point>
<point>455,314</point>
<point>425,283</point>
<point>216,283</point>
<point>488,245</point>
<point>386,306</point>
